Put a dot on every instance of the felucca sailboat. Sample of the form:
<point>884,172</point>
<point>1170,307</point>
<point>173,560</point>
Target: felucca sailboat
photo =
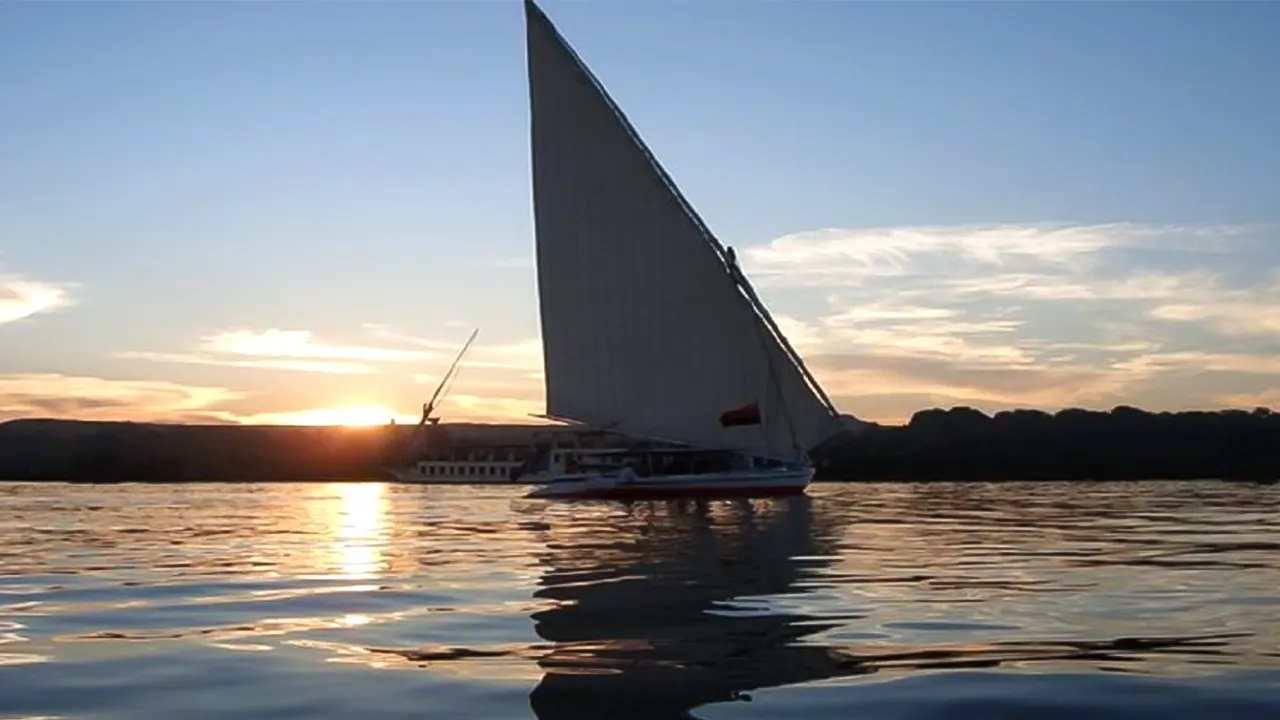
<point>649,328</point>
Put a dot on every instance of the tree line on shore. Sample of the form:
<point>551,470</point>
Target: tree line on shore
<point>1125,443</point>
<point>960,443</point>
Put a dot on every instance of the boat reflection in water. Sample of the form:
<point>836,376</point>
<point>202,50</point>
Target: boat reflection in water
<point>659,609</point>
<point>657,613</point>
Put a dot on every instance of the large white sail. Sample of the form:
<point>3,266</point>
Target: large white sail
<point>645,326</point>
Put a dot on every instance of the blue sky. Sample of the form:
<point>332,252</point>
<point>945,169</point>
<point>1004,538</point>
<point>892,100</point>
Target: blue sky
<point>241,211</point>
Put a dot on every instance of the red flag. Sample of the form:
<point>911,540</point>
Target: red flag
<point>745,415</point>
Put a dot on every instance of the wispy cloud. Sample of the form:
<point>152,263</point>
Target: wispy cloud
<point>1031,315</point>
<point>494,378</point>
<point>850,376</point>
<point>1041,315</point>
<point>93,398</point>
<point>521,356</point>
<point>487,408</point>
<point>302,344</point>
<point>21,298</point>
<point>500,382</point>
<point>71,397</point>
<point>293,350</point>
<point>843,257</point>
<point>1041,286</point>
<point>317,366</point>
<point>1232,311</point>
<point>1269,398</point>
<point>1197,361</point>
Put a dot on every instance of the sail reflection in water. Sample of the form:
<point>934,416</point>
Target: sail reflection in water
<point>678,606</point>
<point>657,616</point>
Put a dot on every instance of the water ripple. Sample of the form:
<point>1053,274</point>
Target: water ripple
<point>900,600</point>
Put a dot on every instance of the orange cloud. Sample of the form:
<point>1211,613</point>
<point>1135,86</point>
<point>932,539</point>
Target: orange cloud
<point>92,398</point>
<point>294,350</point>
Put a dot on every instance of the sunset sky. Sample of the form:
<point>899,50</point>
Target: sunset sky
<point>297,212</point>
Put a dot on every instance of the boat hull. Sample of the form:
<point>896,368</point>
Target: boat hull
<point>744,483</point>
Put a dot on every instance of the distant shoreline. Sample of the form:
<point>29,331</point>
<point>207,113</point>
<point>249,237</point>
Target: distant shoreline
<point>392,481</point>
<point>956,445</point>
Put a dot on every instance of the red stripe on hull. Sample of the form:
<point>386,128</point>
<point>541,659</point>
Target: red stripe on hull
<point>663,493</point>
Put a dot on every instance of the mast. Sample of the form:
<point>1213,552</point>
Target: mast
<point>430,406</point>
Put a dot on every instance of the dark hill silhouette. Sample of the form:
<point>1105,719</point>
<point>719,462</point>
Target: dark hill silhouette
<point>1125,443</point>
<point>957,444</point>
<point>124,451</point>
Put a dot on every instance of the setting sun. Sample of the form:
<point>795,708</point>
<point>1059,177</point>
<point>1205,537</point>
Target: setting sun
<point>350,415</point>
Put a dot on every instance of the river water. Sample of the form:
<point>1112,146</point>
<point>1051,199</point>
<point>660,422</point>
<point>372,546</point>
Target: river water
<point>874,601</point>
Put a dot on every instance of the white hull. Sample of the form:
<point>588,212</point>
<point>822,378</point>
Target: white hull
<point>737,483</point>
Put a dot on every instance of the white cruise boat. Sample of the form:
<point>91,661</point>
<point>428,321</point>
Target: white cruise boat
<point>464,466</point>
<point>553,453</point>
